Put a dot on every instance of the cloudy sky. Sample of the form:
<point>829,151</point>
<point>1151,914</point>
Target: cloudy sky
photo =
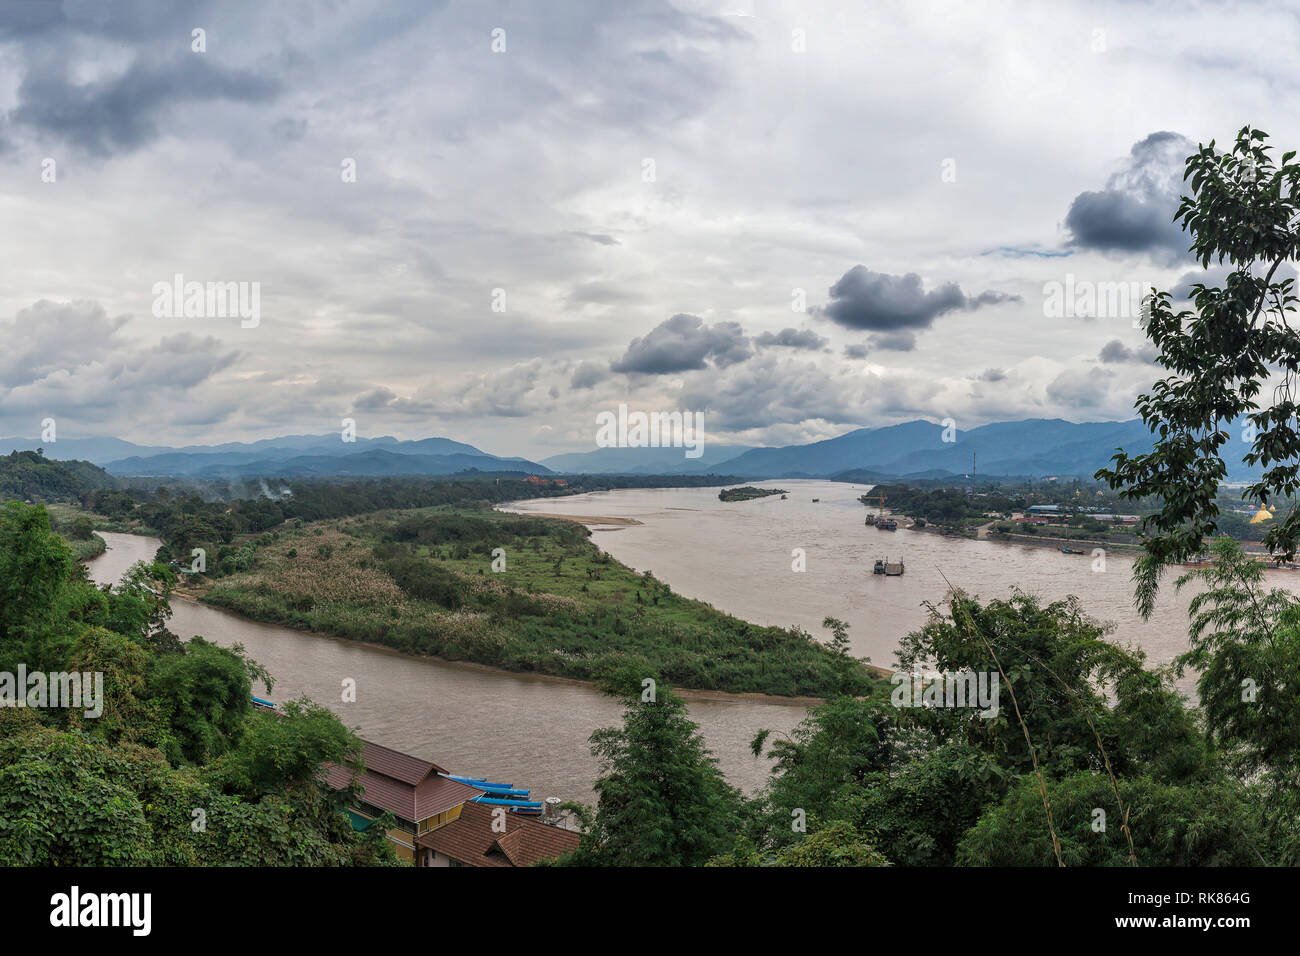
<point>798,218</point>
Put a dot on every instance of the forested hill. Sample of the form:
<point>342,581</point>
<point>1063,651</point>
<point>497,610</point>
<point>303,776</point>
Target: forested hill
<point>29,474</point>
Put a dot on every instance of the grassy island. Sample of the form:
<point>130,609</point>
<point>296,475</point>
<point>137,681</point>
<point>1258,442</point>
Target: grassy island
<point>748,492</point>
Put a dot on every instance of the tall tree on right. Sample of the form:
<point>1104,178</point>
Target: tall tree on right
<point>1221,356</point>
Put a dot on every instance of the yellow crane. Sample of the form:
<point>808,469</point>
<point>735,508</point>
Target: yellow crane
<point>880,511</point>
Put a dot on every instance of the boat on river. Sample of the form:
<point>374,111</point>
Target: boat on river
<point>889,568</point>
<point>1065,550</point>
<point>888,524</point>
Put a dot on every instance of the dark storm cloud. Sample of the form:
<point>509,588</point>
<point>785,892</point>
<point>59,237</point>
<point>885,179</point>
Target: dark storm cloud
<point>1012,252</point>
<point>1134,213</point>
<point>856,351</point>
<point>901,341</point>
<point>879,302</point>
<point>793,339</point>
<point>1115,351</point>
<point>990,298</point>
<point>684,343</point>
<point>38,20</point>
<point>122,113</point>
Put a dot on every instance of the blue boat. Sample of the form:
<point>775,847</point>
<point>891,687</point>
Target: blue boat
<point>481,782</point>
<point>514,804</point>
<point>258,702</point>
<point>501,791</point>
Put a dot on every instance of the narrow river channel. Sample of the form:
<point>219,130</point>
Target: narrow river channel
<point>528,730</point>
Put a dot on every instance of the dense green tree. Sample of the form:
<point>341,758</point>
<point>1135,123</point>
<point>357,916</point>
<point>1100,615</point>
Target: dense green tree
<point>823,762</point>
<point>1235,341</point>
<point>288,747</point>
<point>208,689</point>
<point>140,783</point>
<point>1083,700</point>
<point>1245,645</point>
<point>836,844</point>
<point>34,566</point>
<point>1208,824</point>
<point>661,800</point>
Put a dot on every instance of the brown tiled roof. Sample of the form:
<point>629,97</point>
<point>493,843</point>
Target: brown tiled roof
<point>399,766</point>
<point>470,839</point>
<point>404,785</point>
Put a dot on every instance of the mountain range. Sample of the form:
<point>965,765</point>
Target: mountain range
<point>1034,448</point>
<point>292,456</point>
<point>1029,448</point>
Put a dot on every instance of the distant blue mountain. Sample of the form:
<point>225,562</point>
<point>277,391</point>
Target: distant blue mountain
<point>1033,447</point>
<point>286,456</point>
<point>188,458</point>
<point>643,461</point>
<point>376,462</point>
<point>869,448</point>
<point>100,451</point>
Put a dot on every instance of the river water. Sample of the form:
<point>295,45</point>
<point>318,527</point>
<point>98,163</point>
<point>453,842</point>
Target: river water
<point>528,730</point>
<point>533,731</point>
<point>738,557</point>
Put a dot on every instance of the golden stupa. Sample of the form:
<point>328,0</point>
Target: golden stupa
<point>1263,514</point>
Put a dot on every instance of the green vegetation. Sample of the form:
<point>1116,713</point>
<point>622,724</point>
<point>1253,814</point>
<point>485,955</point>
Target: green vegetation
<point>949,508</point>
<point>1235,342</point>
<point>29,475</point>
<point>520,593</point>
<point>959,509</point>
<point>657,753</point>
<point>956,509</point>
<point>748,492</point>
<point>178,769</point>
<point>1131,774</point>
<point>417,574</point>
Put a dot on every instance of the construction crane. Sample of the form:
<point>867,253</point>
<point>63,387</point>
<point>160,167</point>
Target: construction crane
<point>881,498</point>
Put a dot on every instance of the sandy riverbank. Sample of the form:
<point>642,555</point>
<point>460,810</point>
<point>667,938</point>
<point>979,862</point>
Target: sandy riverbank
<point>589,520</point>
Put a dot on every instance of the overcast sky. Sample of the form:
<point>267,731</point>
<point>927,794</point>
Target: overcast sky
<point>654,188</point>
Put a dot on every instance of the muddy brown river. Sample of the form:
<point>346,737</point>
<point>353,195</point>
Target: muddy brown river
<point>527,730</point>
<point>533,731</point>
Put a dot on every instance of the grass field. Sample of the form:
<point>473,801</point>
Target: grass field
<point>518,592</point>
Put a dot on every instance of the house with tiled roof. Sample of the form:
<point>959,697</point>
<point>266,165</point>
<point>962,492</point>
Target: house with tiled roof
<point>413,790</point>
<point>488,836</point>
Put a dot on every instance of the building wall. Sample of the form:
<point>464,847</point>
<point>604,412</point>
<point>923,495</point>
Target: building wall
<point>403,844</point>
<point>442,819</point>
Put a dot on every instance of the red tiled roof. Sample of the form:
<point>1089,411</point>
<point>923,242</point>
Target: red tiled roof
<point>404,785</point>
<point>470,839</point>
